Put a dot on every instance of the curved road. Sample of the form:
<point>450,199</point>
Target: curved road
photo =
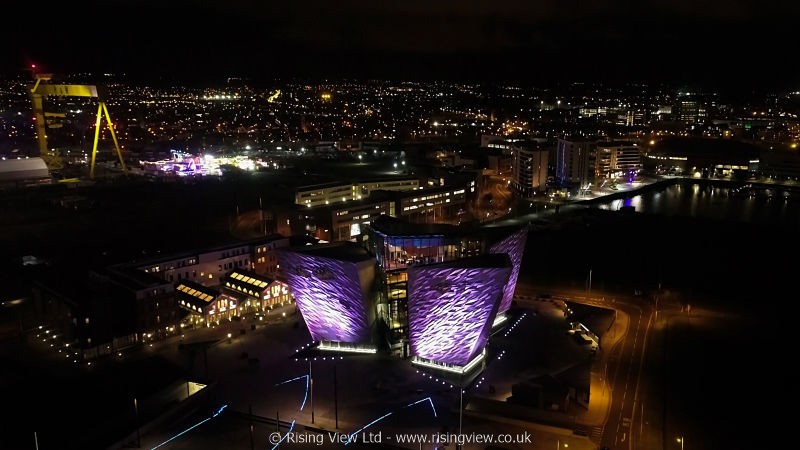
<point>623,422</point>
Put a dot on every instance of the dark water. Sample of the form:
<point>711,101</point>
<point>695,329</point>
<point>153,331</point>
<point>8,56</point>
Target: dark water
<point>742,204</point>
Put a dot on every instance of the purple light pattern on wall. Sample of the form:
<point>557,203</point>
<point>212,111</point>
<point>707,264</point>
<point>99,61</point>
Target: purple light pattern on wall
<point>514,246</point>
<point>451,310</point>
<point>328,294</point>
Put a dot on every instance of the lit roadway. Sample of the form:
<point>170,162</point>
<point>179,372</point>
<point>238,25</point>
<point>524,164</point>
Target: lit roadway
<point>500,189</point>
<point>623,422</point>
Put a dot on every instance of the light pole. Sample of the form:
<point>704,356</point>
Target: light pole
<point>311,383</point>
<point>680,440</point>
<point>460,413</point>
<point>335,398</point>
<point>250,416</point>
<point>136,411</point>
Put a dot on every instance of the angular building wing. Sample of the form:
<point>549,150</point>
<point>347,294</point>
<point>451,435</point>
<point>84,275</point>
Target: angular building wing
<point>513,246</point>
<point>451,307</point>
<point>332,286</point>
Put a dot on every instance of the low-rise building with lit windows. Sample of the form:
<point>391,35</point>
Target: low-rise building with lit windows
<point>205,304</point>
<point>345,222</point>
<point>256,292</point>
<point>436,204</point>
<point>331,193</point>
<point>207,266</point>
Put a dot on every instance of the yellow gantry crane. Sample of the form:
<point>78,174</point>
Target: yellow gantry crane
<point>42,89</point>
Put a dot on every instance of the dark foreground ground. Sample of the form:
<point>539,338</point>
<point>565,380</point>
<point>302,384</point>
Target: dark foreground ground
<point>719,376</point>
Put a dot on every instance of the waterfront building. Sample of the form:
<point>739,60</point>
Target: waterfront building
<point>574,162</point>
<point>616,159</point>
<point>529,171</point>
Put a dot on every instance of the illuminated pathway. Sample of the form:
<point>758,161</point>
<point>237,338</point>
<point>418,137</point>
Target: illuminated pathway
<point>307,379</point>
<point>190,428</point>
<point>353,434</point>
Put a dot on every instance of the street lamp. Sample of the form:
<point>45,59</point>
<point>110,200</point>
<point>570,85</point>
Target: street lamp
<point>680,440</point>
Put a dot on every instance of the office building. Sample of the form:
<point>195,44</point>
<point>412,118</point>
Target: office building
<point>324,194</point>
<point>617,159</point>
<point>345,222</point>
<point>436,204</point>
<point>779,165</point>
<point>688,109</point>
<point>529,171</point>
<point>574,162</point>
<point>331,193</point>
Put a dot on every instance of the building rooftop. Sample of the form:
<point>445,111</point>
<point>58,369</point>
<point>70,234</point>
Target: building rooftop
<point>248,278</point>
<point>128,278</point>
<point>344,251</point>
<point>329,184</point>
<point>350,204</point>
<point>485,261</point>
<point>356,181</point>
<point>149,260</point>
<point>196,293</point>
<point>577,139</point>
<point>390,226</point>
<point>615,144</point>
<point>384,179</point>
<point>23,169</point>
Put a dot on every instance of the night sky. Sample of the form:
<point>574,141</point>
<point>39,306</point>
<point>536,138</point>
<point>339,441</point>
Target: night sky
<point>714,42</point>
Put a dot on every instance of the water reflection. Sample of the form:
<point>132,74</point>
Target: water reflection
<point>768,206</point>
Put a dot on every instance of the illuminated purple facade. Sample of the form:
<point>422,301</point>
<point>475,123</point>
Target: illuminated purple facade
<point>451,306</point>
<point>513,246</point>
<point>332,293</point>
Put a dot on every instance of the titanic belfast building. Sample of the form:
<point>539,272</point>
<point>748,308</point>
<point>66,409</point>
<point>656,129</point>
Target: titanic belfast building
<point>431,292</point>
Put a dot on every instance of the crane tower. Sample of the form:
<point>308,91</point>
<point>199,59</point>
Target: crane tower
<point>42,89</point>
